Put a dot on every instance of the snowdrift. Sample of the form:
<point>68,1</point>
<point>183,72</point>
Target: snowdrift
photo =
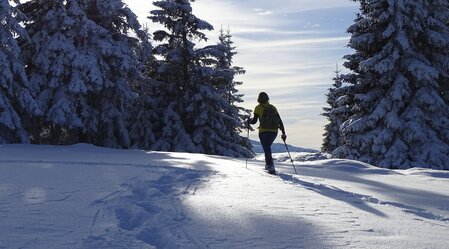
<point>83,196</point>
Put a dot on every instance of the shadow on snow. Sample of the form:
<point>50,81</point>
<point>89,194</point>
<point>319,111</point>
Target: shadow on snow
<point>343,170</point>
<point>152,213</point>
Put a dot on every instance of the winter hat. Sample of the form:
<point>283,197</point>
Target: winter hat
<point>263,98</point>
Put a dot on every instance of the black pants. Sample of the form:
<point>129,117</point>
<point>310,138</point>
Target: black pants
<point>266,139</point>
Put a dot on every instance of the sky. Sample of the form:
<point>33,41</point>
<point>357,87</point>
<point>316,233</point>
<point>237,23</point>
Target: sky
<point>289,49</point>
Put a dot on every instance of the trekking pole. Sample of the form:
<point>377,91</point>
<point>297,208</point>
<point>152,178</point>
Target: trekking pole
<point>290,157</point>
<point>247,137</point>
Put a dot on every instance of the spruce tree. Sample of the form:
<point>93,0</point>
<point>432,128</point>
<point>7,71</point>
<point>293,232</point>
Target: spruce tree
<point>15,98</point>
<point>225,64</point>
<point>143,119</point>
<point>337,112</point>
<point>232,95</point>
<point>221,58</point>
<point>400,117</point>
<point>175,70</point>
<point>192,105</point>
<point>82,64</point>
<point>216,123</point>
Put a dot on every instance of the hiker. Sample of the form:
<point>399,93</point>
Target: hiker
<point>270,122</point>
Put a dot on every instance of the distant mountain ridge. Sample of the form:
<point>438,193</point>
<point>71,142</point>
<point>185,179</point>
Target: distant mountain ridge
<point>280,147</point>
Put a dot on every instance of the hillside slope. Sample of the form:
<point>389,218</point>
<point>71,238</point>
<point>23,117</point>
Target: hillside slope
<point>83,196</point>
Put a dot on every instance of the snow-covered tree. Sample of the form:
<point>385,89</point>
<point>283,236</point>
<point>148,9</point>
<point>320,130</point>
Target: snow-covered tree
<point>337,112</point>
<point>82,63</point>
<point>225,64</point>
<point>400,118</point>
<point>143,119</point>
<point>15,98</point>
<point>174,70</point>
<point>221,59</point>
<point>214,122</point>
<point>192,104</point>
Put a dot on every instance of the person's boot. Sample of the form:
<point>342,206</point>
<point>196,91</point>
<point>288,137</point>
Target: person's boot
<point>271,169</point>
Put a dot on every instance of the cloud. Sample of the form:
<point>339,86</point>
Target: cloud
<point>284,6</point>
<point>288,44</point>
<point>310,25</point>
<point>240,31</point>
<point>262,12</point>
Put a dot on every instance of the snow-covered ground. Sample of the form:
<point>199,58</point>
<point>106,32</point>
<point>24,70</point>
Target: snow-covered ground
<point>83,196</point>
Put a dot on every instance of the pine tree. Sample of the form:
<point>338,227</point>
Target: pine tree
<point>192,104</point>
<point>231,95</point>
<point>215,122</point>
<point>82,64</point>
<point>399,118</point>
<point>143,119</point>
<point>15,98</point>
<point>225,64</point>
<point>221,58</point>
<point>337,112</point>
<point>175,72</point>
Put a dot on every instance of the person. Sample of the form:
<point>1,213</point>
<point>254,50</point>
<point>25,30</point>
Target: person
<point>267,132</point>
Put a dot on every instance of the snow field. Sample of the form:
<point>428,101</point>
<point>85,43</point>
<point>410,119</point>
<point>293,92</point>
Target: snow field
<point>83,196</point>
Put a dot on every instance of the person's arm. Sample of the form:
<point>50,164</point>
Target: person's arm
<point>253,120</point>
<point>282,128</point>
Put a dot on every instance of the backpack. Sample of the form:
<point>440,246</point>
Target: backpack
<point>270,118</point>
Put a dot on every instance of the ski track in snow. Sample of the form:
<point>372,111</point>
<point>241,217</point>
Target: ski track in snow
<point>197,201</point>
<point>359,199</point>
<point>147,212</point>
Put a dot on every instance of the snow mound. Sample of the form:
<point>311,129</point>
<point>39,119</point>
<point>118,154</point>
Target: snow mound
<point>83,196</point>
